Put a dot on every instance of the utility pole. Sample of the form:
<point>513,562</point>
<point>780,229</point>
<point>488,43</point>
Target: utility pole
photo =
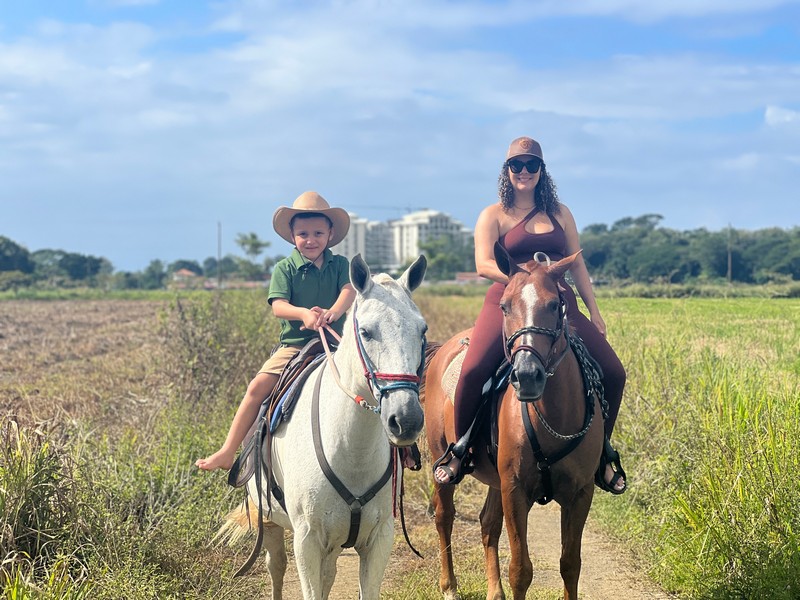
<point>219,255</point>
<point>730,261</point>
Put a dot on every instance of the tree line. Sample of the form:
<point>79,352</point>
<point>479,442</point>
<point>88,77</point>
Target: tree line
<point>48,268</point>
<point>631,250</point>
<point>638,250</point>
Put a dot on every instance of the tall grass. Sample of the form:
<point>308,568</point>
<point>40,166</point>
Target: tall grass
<point>710,429</point>
<point>88,514</point>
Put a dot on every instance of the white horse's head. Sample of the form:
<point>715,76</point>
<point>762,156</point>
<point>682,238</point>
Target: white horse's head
<point>387,331</point>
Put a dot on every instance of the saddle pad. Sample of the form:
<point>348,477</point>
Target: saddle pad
<point>452,373</point>
<point>284,407</point>
<point>244,465</point>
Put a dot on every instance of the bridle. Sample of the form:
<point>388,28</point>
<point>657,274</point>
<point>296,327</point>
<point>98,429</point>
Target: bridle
<point>397,381</point>
<point>553,359</point>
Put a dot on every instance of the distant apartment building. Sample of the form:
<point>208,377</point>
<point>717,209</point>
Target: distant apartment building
<point>390,245</point>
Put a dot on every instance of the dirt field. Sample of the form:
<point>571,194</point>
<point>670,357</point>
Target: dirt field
<point>96,360</point>
<point>77,359</point>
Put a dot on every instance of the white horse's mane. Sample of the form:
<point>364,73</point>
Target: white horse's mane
<point>395,289</point>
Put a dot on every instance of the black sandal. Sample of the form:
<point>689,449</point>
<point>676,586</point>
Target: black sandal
<point>463,465</point>
<point>610,456</point>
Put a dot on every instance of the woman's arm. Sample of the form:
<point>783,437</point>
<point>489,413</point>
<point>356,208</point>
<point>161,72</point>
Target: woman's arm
<point>580,275</point>
<point>487,232</point>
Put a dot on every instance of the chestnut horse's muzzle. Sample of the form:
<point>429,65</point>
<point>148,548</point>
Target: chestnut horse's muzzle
<point>528,376</point>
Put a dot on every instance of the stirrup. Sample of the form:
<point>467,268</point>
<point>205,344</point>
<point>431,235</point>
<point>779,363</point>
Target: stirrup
<point>460,452</point>
<point>609,456</point>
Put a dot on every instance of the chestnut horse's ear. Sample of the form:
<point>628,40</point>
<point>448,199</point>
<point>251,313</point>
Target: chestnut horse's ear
<point>504,262</point>
<point>557,269</point>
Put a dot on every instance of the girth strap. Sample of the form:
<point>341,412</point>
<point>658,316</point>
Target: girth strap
<point>354,503</point>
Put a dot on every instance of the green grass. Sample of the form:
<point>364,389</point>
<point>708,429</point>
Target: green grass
<point>709,431</point>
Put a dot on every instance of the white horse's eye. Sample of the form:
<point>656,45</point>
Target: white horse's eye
<point>365,335</point>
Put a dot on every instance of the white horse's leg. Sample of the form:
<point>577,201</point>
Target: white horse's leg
<point>329,573</point>
<point>374,556</point>
<point>276,558</point>
<point>309,556</point>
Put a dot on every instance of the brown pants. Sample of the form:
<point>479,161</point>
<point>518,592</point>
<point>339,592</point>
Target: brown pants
<point>485,351</point>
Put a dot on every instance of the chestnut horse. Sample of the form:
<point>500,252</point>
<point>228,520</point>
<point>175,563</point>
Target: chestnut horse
<point>557,460</point>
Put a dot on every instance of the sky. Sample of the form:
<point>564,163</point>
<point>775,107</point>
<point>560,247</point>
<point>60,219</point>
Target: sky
<point>140,130</point>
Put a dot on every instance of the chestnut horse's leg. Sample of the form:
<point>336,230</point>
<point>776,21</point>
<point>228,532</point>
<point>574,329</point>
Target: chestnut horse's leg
<point>444,511</point>
<point>516,508</point>
<point>276,557</point>
<point>491,527</point>
<point>573,518</point>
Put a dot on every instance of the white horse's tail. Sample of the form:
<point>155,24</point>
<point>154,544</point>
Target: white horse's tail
<point>238,523</point>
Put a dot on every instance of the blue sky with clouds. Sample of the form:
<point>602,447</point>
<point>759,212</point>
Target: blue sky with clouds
<point>130,128</point>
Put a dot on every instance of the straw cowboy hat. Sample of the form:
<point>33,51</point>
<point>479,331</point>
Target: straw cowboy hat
<point>311,202</point>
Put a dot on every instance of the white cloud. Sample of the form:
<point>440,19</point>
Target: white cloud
<point>164,119</point>
<point>743,162</point>
<point>775,116</point>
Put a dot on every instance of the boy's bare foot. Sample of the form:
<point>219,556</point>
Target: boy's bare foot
<point>221,459</point>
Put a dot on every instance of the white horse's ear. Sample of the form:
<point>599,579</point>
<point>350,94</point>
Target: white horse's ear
<point>360,275</point>
<point>414,274</point>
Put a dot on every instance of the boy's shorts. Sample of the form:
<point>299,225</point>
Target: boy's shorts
<point>279,359</point>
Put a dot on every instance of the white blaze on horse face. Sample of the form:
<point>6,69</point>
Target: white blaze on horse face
<point>529,298</point>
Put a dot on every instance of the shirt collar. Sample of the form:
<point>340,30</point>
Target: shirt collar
<point>299,261</point>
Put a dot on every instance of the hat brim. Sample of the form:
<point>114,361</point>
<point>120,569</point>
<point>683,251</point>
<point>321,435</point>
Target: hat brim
<point>526,154</point>
<point>281,222</point>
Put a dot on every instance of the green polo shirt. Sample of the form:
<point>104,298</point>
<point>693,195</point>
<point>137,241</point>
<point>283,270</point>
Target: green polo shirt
<point>299,282</point>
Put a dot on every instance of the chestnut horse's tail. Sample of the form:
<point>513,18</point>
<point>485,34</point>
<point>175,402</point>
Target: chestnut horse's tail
<point>431,349</point>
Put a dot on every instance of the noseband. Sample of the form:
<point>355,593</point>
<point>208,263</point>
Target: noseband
<point>550,364</point>
<point>398,381</point>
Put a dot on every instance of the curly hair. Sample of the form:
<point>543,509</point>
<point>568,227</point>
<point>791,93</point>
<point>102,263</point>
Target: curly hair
<point>545,196</point>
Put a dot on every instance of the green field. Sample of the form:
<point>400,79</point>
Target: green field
<point>103,501</point>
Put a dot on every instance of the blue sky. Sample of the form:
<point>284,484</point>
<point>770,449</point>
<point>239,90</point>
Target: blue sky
<point>130,128</point>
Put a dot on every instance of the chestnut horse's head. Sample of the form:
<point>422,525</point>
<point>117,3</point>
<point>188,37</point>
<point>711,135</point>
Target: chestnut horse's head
<point>534,321</point>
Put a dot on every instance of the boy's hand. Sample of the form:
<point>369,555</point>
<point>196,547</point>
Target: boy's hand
<point>330,316</point>
<point>312,318</point>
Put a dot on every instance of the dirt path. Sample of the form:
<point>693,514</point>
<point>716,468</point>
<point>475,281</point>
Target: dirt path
<point>608,572</point>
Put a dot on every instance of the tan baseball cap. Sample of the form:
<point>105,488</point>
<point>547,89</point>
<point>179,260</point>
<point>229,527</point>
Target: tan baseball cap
<point>524,146</point>
<point>311,202</point>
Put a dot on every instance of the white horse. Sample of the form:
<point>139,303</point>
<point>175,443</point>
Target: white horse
<point>378,360</point>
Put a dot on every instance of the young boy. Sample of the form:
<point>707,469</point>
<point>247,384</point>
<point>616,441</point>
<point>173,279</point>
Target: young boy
<point>309,288</point>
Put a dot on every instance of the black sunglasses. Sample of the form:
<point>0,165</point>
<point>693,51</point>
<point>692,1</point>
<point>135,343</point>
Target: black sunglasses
<point>532,165</point>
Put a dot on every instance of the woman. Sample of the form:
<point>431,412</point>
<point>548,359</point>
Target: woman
<point>529,218</point>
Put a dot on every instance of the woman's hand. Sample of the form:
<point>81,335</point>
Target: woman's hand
<point>598,322</point>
